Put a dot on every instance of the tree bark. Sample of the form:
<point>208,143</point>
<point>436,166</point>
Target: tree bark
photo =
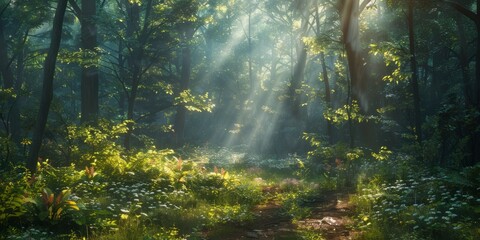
<point>299,69</point>
<point>89,82</point>
<point>47,89</point>
<point>8,80</point>
<point>180,117</point>
<point>135,57</point>
<point>477,60</point>
<point>8,83</point>
<point>133,61</point>
<point>326,80</point>
<point>296,82</point>
<point>414,78</point>
<point>464,64</point>
<point>328,101</point>
<point>7,74</point>
<point>350,11</point>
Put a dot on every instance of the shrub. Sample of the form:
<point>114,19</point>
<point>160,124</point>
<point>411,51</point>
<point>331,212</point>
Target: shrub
<point>14,192</point>
<point>53,207</point>
<point>427,205</point>
<point>97,146</point>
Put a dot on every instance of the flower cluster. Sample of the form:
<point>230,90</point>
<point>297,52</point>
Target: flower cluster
<point>420,203</point>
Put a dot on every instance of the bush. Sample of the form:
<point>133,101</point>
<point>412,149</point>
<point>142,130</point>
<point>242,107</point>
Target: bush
<point>14,194</point>
<point>427,205</point>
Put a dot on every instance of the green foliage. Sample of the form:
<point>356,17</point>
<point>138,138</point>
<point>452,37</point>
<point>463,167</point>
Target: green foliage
<point>383,154</point>
<point>394,58</point>
<point>97,146</point>
<point>337,163</point>
<point>14,191</point>
<point>430,206</point>
<point>194,103</point>
<point>53,207</point>
<point>295,195</point>
<point>57,177</point>
<point>452,118</point>
<point>83,57</point>
<point>156,193</point>
<point>346,113</point>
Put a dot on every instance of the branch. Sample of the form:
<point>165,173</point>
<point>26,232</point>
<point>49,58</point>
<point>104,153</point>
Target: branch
<point>76,9</point>
<point>5,8</point>
<point>464,11</point>
<point>363,6</point>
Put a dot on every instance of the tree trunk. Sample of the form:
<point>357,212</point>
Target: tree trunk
<point>296,82</point>
<point>351,40</point>
<point>328,101</point>
<point>47,89</point>
<point>89,84</point>
<point>299,70</point>
<point>464,64</point>
<point>8,83</point>
<point>19,102</point>
<point>8,79</point>
<point>477,59</point>
<point>5,69</point>
<point>414,78</point>
<point>133,61</point>
<point>180,117</point>
<point>326,80</point>
<point>250,52</point>
<point>475,17</point>
<point>476,136</point>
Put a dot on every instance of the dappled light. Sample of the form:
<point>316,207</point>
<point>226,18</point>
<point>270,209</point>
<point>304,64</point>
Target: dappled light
<point>239,119</point>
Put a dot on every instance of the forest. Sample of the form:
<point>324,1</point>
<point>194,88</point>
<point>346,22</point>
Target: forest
<point>239,119</point>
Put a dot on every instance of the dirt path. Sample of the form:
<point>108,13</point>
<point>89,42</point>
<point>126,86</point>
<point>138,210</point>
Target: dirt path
<point>330,217</point>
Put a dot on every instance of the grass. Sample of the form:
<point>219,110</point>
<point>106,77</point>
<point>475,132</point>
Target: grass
<point>215,191</point>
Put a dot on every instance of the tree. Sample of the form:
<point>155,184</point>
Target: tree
<point>350,11</point>
<point>186,32</point>
<point>475,17</point>
<point>301,8</point>
<point>414,78</point>
<point>88,43</point>
<point>47,90</point>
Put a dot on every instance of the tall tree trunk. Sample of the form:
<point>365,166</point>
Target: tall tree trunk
<point>6,71</point>
<point>464,64</point>
<point>133,61</point>
<point>476,136</point>
<point>19,102</point>
<point>414,78</point>
<point>135,58</point>
<point>299,69</point>
<point>180,117</point>
<point>326,80</point>
<point>8,83</point>
<point>328,100</point>
<point>296,82</point>
<point>89,83</point>
<point>8,80</point>
<point>350,11</point>
<point>475,17</point>
<point>477,61</point>
<point>47,90</point>
<point>250,52</point>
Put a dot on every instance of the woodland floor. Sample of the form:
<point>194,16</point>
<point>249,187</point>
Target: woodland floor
<point>330,217</point>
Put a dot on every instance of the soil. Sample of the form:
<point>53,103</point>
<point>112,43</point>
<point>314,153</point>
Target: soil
<point>330,217</point>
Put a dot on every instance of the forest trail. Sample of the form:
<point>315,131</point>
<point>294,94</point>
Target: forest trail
<point>330,217</point>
